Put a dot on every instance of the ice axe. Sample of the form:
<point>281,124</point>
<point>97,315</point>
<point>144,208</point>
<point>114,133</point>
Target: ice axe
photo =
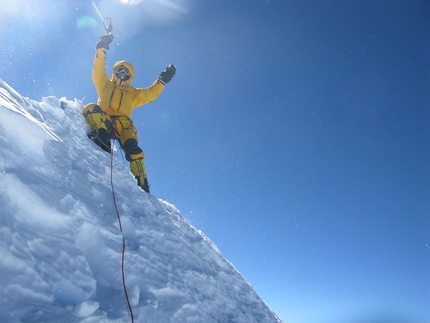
<point>107,22</point>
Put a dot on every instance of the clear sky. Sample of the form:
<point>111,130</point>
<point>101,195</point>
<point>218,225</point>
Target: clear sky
<point>295,134</point>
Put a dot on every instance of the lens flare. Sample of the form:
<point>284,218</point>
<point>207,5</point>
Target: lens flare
<point>86,22</point>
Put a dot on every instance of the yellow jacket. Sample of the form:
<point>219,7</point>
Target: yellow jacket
<point>118,98</point>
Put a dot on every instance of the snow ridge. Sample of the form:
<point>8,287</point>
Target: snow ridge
<point>60,245</point>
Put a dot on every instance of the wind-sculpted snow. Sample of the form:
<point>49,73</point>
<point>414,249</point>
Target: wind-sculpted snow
<point>60,244</point>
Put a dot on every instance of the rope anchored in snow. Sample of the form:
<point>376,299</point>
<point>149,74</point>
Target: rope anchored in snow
<point>120,229</point>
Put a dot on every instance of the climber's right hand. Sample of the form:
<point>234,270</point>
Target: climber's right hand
<point>104,41</point>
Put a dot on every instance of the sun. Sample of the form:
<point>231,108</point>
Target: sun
<point>160,7</point>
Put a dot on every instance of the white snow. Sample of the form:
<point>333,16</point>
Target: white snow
<point>60,243</point>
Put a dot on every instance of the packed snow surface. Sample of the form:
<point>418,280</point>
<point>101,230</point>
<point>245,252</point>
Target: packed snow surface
<point>61,244</point>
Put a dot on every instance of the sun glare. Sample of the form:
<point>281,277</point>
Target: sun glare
<point>131,2</point>
<point>132,15</point>
<point>168,7</point>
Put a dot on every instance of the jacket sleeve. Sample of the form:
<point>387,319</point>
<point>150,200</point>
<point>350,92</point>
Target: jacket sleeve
<point>142,96</point>
<point>100,77</point>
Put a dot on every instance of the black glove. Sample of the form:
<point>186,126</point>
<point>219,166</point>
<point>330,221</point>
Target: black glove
<point>104,41</point>
<point>167,74</point>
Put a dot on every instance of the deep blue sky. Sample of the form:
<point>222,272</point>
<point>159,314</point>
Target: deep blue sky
<point>295,134</point>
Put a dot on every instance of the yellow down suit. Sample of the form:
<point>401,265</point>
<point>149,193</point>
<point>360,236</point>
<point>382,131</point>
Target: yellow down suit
<point>116,101</point>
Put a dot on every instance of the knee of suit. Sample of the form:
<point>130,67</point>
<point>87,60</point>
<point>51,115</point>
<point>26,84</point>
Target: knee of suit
<point>92,108</point>
<point>97,119</point>
<point>126,133</point>
<point>132,150</point>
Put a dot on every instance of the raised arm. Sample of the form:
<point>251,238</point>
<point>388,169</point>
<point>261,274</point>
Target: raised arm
<point>149,94</point>
<point>100,77</point>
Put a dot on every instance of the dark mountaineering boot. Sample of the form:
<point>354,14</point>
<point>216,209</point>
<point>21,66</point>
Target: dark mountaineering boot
<point>101,138</point>
<point>145,185</point>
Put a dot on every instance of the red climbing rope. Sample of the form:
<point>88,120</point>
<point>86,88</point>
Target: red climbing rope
<point>120,229</point>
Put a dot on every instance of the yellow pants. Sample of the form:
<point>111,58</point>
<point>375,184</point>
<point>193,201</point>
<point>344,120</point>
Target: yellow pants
<point>122,129</point>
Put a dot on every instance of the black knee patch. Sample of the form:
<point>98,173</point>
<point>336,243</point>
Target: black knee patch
<point>131,148</point>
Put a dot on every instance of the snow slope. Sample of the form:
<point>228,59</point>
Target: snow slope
<point>60,243</point>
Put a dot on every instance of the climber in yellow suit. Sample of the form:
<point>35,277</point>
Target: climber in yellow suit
<point>110,118</point>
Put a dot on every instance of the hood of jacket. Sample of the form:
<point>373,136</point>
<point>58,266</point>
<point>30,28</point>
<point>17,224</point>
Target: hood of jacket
<point>116,79</point>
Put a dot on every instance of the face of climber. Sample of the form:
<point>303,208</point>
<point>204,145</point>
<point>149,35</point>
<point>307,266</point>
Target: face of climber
<point>122,73</point>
